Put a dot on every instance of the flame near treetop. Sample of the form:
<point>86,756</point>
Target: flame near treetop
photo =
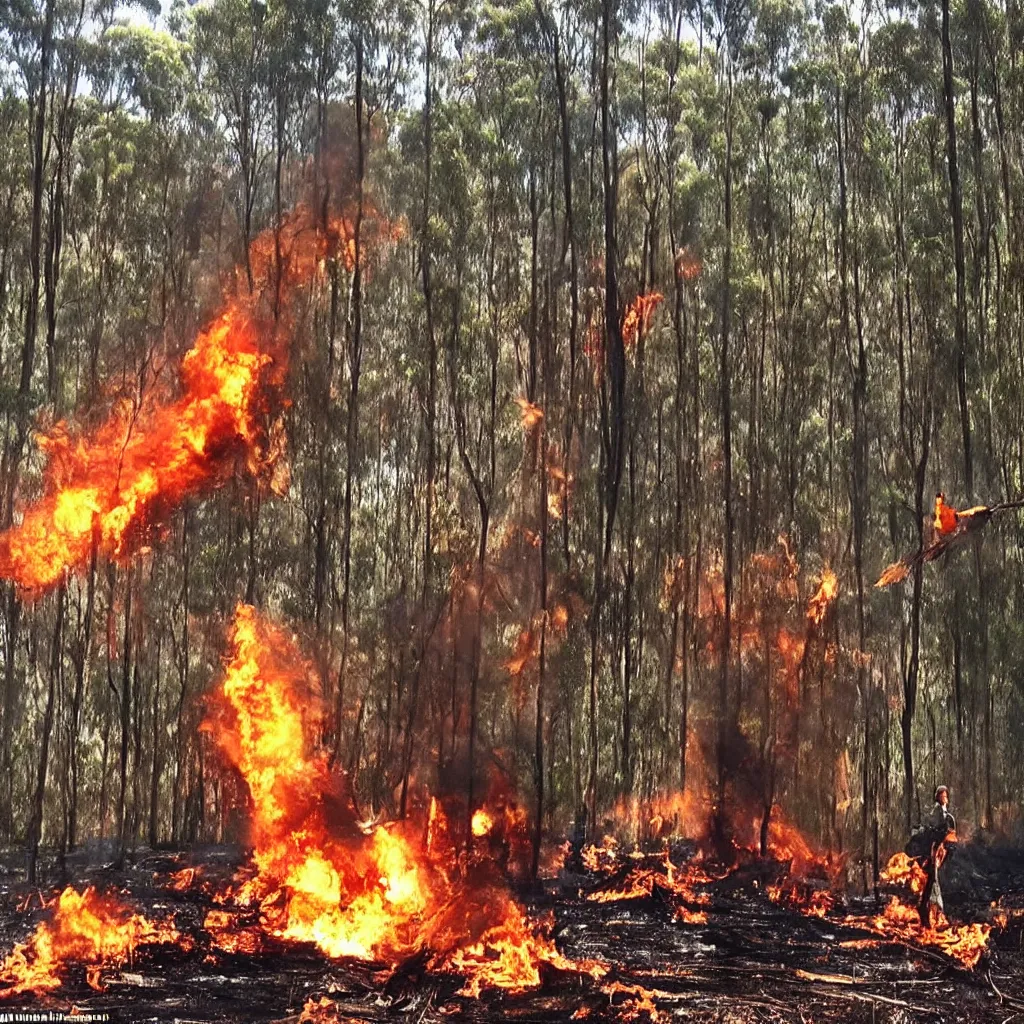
<point>823,596</point>
<point>638,315</point>
<point>106,488</point>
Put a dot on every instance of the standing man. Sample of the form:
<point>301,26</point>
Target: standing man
<point>940,826</point>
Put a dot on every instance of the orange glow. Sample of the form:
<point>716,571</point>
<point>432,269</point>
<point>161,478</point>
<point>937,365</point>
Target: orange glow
<point>601,859</point>
<point>787,843</point>
<point>904,870</point>
<point>319,1011</point>
<point>85,928</point>
<point>964,943</point>
<point>688,264</point>
<point>896,572</point>
<point>508,953</point>
<point>184,879</point>
<point>811,902</point>
<point>110,488</point>
<point>526,652</point>
<point>639,1002</point>
<point>529,414</point>
<point>674,882</point>
<point>227,935</point>
<point>482,823</point>
<point>899,921</point>
<point>945,518</point>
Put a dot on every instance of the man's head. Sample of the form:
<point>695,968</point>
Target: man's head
<point>942,795</point>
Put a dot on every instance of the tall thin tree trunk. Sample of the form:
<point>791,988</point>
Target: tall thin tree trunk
<point>726,412</point>
<point>35,825</point>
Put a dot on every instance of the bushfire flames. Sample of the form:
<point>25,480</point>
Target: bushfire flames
<point>807,888</point>
<point>321,880</point>
<point>87,928</point>
<point>106,489</point>
<point>386,892</point>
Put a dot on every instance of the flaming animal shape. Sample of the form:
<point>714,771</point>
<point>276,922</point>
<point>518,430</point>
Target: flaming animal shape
<point>105,490</point>
<point>950,527</point>
<point>319,877</point>
<point>86,928</point>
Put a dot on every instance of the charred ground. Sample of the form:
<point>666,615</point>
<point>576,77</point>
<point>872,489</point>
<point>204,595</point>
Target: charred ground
<point>754,959</point>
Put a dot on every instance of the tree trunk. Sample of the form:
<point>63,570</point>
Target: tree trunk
<point>35,825</point>
<point>726,411</point>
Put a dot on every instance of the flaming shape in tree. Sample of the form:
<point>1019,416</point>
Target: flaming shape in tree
<point>379,894</point>
<point>86,928</point>
<point>637,318</point>
<point>107,489</point>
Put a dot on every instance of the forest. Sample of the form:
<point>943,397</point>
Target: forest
<point>592,361</point>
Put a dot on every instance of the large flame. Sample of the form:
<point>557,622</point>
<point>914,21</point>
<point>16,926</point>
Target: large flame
<point>86,928</point>
<point>105,489</point>
<point>380,892</point>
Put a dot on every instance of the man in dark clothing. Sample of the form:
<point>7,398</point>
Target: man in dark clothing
<point>940,827</point>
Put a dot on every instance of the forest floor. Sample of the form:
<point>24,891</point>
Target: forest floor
<point>753,960</point>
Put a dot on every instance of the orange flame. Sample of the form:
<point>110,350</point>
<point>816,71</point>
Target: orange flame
<point>319,878</point>
<point>108,488</point>
<point>86,928</point>
<point>639,1001</point>
<point>529,413</point>
<point>964,943</point>
<point>678,884</point>
<point>904,870</point>
<point>482,823</point>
